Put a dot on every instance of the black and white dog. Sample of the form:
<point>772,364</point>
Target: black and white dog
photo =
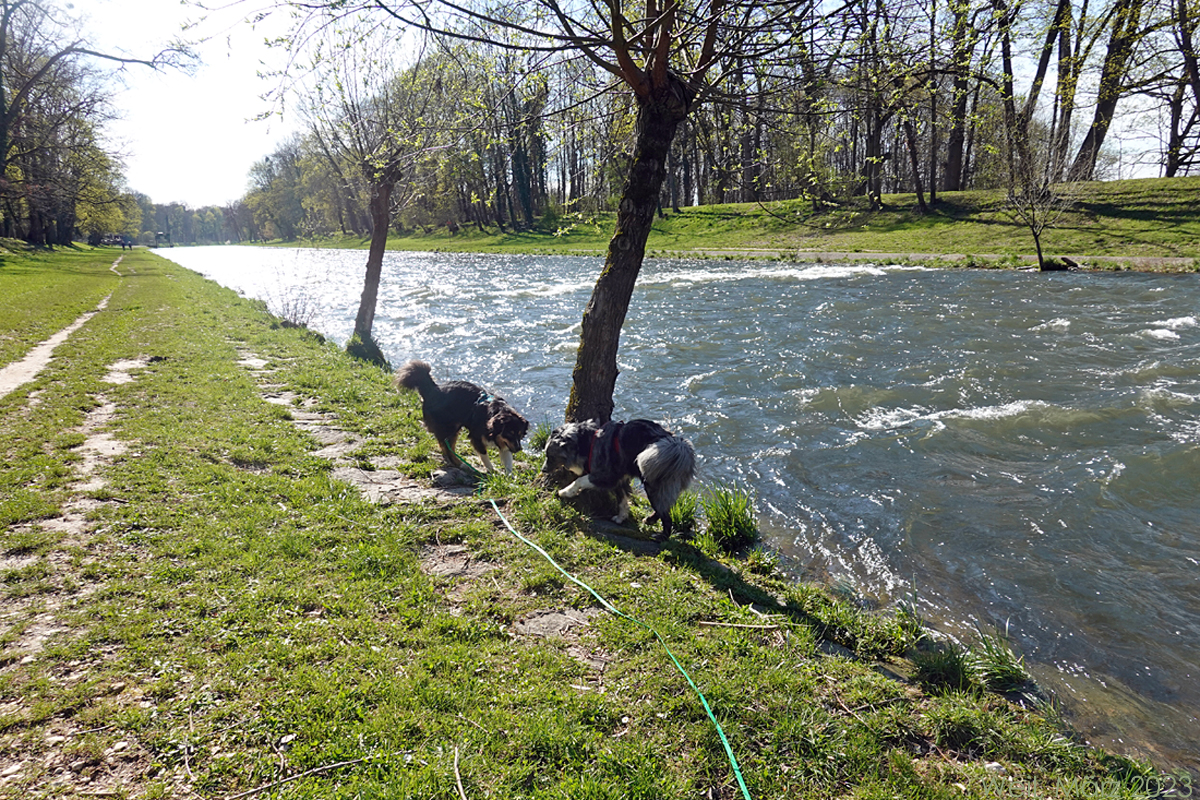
<point>455,405</point>
<point>607,456</point>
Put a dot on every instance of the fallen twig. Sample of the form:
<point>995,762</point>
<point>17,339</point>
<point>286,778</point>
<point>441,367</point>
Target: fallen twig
<point>458,776</point>
<point>268,786</point>
<point>738,625</point>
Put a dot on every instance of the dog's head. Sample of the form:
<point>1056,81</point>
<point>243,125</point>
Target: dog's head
<point>566,450</point>
<point>506,428</point>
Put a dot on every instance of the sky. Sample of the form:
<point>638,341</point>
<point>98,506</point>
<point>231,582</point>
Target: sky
<point>186,138</point>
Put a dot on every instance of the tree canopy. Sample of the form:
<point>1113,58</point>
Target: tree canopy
<point>59,179</point>
<point>553,107</point>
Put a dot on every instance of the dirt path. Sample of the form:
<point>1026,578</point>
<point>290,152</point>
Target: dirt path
<point>21,372</point>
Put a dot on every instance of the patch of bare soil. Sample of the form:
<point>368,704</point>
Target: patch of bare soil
<point>453,561</point>
<point>568,626</point>
<point>457,566</point>
<point>554,624</point>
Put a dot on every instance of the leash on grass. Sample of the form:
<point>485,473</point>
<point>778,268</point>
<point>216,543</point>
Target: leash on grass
<point>613,610</point>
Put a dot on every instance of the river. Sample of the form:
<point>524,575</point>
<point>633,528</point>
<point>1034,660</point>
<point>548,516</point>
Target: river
<point>997,448</point>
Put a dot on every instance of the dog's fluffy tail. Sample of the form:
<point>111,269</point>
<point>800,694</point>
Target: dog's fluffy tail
<point>668,464</point>
<point>415,375</point>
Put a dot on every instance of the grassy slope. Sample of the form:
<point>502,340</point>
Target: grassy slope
<point>233,616</point>
<point>1132,220</point>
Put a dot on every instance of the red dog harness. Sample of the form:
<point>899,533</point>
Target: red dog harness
<point>616,439</point>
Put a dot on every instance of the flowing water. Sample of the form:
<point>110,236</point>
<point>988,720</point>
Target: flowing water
<point>995,447</point>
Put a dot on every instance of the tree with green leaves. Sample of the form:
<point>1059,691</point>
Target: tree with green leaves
<point>49,102</point>
<point>371,116</point>
<point>667,57</point>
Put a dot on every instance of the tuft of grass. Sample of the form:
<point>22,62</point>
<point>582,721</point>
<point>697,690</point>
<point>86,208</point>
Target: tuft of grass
<point>762,562</point>
<point>995,664</point>
<point>685,512</point>
<point>910,620</point>
<point>539,437</point>
<point>944,667</point>
<point>729,514</point>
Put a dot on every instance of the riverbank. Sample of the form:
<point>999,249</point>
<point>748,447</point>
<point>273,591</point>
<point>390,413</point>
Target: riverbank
<point>225,570</point>
<point>1145,225</point>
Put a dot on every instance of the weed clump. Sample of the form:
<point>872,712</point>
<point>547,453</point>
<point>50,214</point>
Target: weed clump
<point>729,512</point>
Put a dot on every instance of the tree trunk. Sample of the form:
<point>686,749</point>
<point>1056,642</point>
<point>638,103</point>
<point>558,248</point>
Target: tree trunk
<point>1124,38</point>
<point>595,374</point>
<point>1175,152</point>
<point>910,136</point>
<point>873,156</point>
<point>1068,81</point>
<point>381,196</point>
<point>1016,152</point>
<point>1185,26</point>
<point>1062,16</point>
<point>960,66</point>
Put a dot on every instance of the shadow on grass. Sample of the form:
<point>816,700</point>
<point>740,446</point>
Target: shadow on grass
<point>862,635</point>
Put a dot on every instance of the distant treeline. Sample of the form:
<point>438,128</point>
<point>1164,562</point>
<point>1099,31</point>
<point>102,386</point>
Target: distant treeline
<point>875,98</point>
<point>861,99</point>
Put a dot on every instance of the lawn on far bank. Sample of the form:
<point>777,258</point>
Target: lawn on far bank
<point>1131,224</point>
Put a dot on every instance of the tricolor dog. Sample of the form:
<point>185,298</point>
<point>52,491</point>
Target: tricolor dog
<point>607,456</point>
<point>455,405</point>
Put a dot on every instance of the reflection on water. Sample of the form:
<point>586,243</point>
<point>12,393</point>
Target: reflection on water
<point>994,446</point>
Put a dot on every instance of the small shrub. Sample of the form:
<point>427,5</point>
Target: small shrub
<point>730,514</point>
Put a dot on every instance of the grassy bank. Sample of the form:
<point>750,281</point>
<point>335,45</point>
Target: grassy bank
<point>1133,224</point>
<point>199,600</point>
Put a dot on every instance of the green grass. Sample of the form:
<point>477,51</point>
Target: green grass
<point>232,618</point>
<point>1129,223</point>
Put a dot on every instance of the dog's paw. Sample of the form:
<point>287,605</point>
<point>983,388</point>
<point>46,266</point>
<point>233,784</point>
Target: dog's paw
<point>568,491</point>
<point>620,518</point>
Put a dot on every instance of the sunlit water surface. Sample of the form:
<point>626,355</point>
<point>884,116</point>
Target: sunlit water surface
<point>996,447</point>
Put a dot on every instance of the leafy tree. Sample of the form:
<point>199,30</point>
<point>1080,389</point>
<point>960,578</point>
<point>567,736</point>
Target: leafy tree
<point>371,117</point>
<point>275,196</point>
<point>662,55</point>
<point>49,103</point>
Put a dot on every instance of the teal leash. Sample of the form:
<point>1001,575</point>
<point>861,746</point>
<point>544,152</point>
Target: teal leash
<point>613,609</point>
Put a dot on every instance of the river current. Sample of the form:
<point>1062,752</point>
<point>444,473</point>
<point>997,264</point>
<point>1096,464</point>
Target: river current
<point>997,448</point>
